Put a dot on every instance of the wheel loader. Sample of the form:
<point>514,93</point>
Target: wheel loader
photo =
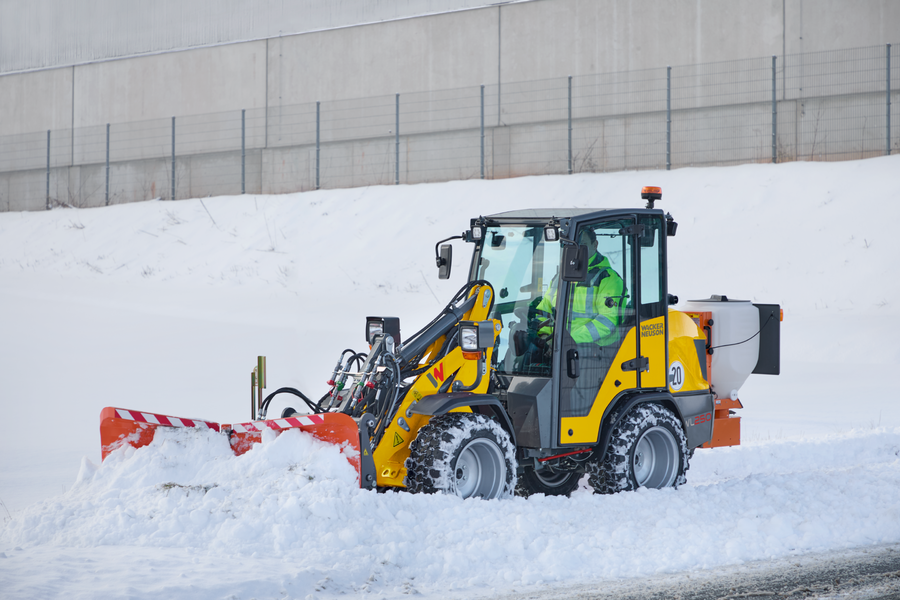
<point>560,357</point>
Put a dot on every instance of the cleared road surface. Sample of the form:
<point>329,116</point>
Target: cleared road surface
<point>861,574</point>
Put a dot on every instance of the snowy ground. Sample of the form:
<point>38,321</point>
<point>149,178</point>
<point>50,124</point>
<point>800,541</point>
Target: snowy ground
<point>164,307</point>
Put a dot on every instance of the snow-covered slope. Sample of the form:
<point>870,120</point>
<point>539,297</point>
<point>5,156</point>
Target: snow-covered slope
<point>165,306</point>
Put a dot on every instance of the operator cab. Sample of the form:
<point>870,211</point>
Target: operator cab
<point>569,323</point>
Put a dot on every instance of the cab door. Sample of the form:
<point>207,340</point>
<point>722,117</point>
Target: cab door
<point>598,343</point>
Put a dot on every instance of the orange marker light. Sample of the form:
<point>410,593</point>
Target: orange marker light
<point>651,192</point>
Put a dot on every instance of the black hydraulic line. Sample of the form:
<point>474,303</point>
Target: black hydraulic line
<point>288,390</point>
<point>359,357</point>
<point>324,397</point>
<point>387,407</point>
<point>340,363</point>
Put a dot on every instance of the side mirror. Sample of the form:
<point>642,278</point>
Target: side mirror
<point>671,228</point>
<point>444,261</point>
<point>575,262</point>
<point>671,225</point>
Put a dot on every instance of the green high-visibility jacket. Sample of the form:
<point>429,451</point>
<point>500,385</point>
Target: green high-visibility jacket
<point>590,318</point>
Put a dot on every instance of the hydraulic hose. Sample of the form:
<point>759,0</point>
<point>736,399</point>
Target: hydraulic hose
<point>264,407</point>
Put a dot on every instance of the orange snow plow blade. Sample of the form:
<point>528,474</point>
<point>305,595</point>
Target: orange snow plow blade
<point>119,427</point>
<point>336,428</point>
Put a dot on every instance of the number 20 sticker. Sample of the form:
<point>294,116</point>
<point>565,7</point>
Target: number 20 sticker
<point>676,375</point>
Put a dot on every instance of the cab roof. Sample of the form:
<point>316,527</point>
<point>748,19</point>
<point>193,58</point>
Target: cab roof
<point>545,214</point>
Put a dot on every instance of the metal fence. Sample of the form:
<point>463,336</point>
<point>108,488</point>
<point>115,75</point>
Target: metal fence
<point>835,105</point>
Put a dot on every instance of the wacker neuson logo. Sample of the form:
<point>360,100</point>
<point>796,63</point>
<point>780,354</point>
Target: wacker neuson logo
<point>651,329</point>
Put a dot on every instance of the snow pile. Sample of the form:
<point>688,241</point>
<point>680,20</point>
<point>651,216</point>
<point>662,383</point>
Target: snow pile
<point>294,501</point>
<point>188,489</point>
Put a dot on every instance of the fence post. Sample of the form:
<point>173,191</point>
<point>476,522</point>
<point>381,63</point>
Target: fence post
<point>482,131</point>
<point>48,169</point>
<point>317,144</point>
<point>668,118</point>
<point>107,164</point>
<point>570,124</point>
<point>888,86</point>
<point>774,116</point>
<point>243,151</point>
<point>397,145</point>
<point>173,159</point>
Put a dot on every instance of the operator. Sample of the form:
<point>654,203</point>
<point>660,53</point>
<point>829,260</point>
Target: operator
<point>595,314</point>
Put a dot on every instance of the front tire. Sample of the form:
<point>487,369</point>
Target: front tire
<point>647,448</point>
<point>465,454</point>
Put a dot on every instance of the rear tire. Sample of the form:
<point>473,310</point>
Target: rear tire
<point>647,448</point>
<point>547,482</point>
<point>465,454</point>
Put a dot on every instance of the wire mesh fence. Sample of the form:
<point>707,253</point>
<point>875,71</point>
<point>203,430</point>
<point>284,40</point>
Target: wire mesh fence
<point>835,105</point>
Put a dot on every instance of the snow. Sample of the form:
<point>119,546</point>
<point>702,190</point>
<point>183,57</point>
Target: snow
<point>164,307</point>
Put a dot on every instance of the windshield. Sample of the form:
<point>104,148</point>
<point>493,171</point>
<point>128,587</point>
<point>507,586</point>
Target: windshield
<point>522,268</point>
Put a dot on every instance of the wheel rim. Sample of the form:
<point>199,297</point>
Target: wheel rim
<point>656,458</point>
<point>480,470</point>
<point>553,479</point>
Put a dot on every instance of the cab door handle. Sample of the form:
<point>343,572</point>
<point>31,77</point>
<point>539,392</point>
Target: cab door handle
<point>572,368</point>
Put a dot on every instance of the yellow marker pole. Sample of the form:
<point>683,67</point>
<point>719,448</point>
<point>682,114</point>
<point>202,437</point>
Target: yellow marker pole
<point>253,394</point>
<point>260,379</point>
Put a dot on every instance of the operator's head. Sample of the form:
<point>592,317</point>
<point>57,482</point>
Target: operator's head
<point>588,238</point>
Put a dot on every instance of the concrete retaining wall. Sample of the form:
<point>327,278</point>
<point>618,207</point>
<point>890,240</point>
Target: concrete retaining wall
<point>492,46</point>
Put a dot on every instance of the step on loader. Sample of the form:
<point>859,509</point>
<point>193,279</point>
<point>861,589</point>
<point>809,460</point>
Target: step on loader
<point>560,357</point>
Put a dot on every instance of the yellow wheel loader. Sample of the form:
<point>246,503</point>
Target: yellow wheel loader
<point>560,357</point>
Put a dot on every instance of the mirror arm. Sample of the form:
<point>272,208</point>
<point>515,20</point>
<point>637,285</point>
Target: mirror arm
<point>437,254</point>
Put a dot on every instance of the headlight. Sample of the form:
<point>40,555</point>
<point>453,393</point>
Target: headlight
<point>373,328</point>
<point>468,338</point>
<point>474,337</point>
<point>376,326</point>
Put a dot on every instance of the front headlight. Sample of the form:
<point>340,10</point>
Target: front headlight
<point>468,338</point>
<point>373,328</point>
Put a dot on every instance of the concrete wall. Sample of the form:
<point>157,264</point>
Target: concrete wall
<point>520,52</point>
<point>52,33</point>
<point>429,53</point>
<point>495,45</point>
<point>206,80</point>
<point>832,128</point>
<point>36,101</point>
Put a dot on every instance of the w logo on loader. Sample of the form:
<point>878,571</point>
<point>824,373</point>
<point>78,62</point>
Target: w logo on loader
<point>439,373</point>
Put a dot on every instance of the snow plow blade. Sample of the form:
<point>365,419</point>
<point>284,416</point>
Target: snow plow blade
<point>336,428</point>
<point>119,427</point>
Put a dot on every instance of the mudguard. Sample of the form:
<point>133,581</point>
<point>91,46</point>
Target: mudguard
<point>439,404</point>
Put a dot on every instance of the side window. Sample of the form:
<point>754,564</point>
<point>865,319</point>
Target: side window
<point>599,306</point>
<point>653,303</point>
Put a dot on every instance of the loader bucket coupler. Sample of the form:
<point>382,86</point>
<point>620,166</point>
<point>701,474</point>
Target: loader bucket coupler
<point>119,427</point>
